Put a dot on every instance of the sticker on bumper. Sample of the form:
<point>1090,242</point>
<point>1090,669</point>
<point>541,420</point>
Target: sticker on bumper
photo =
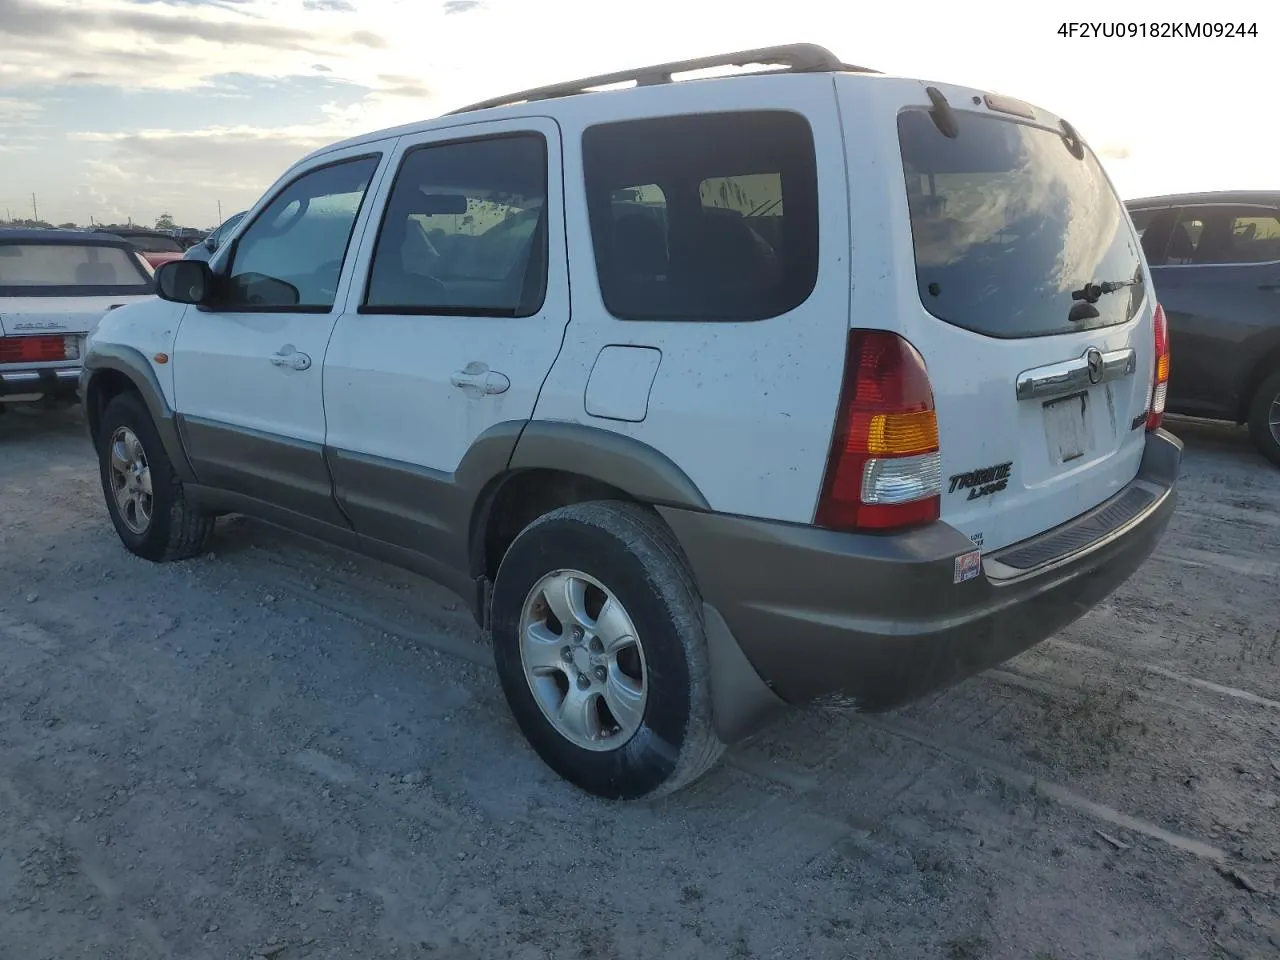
<point>968,566</point>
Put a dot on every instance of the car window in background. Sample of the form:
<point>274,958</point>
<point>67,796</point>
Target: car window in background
<point>292,253</point>
<point>1007,222</point>
<point>61,269</point>
<point>1255,237</point>
<point>1141,220</point>
<point>1226,235</point>
<point>1154,228</point>
<point>150,244</point>
<point>1184,239</point>
<point>224,228</point>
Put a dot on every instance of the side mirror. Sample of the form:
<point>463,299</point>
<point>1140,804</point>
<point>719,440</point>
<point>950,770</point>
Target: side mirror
<point>184,281</point>
<point>211,244</point>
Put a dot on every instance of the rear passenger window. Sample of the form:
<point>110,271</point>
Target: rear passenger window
<point>1255,238</point>
<point>464,233</point>
<point>1227,234</point>
<point>1141,220</point>
<point>687,217</point>
<point>1184,241</point>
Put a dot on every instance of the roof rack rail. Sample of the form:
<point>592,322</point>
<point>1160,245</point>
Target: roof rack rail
<point>792,58</point>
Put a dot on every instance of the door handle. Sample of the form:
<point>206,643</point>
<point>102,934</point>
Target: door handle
<point>1269,286</point>
<point>476,377</point>
<point>291,358</point>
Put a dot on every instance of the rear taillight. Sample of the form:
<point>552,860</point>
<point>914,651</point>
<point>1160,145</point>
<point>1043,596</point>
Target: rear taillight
<point>883,470</point>
<point>38,349</point>
<point>1160,383</point>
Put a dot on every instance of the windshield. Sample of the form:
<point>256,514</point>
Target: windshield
<point>225,227</point>
<point>1007,223</point>
<point>65,269</point>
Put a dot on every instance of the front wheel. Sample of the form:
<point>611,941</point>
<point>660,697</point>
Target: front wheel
<point>144,496</point>
<point>599,643</point>
<point>1264,418</point>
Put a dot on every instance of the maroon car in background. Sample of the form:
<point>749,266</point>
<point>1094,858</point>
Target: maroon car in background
<point>156,246</point>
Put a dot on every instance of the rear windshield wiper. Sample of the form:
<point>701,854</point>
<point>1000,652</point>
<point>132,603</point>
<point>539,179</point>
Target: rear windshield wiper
<point>1092,292</point>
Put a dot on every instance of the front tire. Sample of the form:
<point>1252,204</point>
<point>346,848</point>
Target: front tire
<point>599,643</point>
<point>1264,418</point>
<point>143,493</point>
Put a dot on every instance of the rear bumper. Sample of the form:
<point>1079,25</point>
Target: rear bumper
<point>882,620</point>
<point>60,382</point>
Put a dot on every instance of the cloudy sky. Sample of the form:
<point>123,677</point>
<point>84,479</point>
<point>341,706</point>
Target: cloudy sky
<point>119,108</point>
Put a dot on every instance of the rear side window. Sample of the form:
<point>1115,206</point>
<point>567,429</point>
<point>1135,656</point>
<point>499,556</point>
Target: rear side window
<point>1006,223</point>
<point>1141,220</point>
<point>1225,234</point>
<point>66,269</point>
<point>1154,227</point>
<point>465,232</point>
<point>704,218</point>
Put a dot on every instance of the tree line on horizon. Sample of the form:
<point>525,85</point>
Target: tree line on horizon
<point>163,222</point>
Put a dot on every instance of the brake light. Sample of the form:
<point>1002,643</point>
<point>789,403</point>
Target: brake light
<point>1160,383</point>
<point>38,349</point>
<point>883,470</point>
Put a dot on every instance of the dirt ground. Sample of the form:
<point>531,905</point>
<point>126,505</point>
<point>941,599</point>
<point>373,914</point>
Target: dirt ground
<point>280,750</point>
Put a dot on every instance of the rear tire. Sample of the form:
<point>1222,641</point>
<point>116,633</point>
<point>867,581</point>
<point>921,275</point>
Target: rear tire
<point>143,493</point>
<point>1264,418</point>
<point>624,725</point>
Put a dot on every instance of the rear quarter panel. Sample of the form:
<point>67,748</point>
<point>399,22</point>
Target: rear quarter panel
<point>745,409</point>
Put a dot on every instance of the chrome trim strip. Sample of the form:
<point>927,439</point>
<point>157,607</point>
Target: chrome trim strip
<point>1068,376</point>
<point>34,376</point>
<point>1198,266</point>
<point>21,376</point>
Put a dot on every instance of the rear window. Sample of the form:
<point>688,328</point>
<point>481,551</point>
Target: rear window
<point>705,217</point>
<point>1006,223</point>
<point>67,269</point>
<point>1224,234</point>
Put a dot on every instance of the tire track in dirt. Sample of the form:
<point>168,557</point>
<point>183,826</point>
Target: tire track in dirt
<point>257,751</point>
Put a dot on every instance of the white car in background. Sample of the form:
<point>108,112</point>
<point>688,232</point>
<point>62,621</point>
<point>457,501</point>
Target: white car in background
<point>55,285</point>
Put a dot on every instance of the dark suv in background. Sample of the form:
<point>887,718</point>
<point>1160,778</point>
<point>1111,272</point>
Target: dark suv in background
<point>1215,262</point>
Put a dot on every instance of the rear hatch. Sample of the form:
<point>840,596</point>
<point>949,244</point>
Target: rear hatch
<point>971,246</point>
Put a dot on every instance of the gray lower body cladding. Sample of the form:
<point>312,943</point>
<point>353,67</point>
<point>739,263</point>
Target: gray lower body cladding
<point>880,619</point>
<point>273,469</point>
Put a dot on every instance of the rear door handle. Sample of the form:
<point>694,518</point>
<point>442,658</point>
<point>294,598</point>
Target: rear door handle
<point>476,377</point>
<point>291,358</point>
<point>1269,286</point>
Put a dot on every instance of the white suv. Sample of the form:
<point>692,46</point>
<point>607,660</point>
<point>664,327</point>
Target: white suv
<point>709,396</point>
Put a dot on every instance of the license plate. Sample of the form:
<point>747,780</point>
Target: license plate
<point>1066,427</point>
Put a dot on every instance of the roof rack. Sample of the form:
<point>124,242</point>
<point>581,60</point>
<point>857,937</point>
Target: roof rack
<point>790,58</point>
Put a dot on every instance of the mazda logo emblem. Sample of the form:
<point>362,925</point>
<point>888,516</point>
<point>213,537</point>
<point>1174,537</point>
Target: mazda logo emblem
<point>1093,357</point>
